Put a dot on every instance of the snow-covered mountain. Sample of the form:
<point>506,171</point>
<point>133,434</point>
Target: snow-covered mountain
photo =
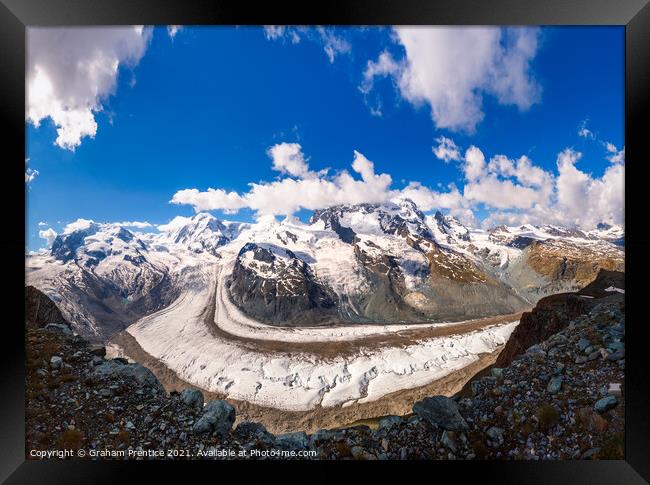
<point>366,263</point>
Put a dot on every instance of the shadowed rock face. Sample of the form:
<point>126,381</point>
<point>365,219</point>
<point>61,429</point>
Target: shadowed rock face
<point>273,285</point>
<point>40,310</point>
<point>553,313</point>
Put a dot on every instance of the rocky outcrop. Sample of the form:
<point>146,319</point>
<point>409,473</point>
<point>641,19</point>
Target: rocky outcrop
<point>273,285</point>
<point>553,313</point>
<point>40,310</point>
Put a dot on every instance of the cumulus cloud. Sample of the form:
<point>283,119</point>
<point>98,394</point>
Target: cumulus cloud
<point>446,149</point>
<point>315,190</point>
<point>77,225</point>
<point>288,158</point>
<point>508,190</point>
<point>48,234</point>
<point>449,69</point>
<point>42,224</point>
<point>72,70</point>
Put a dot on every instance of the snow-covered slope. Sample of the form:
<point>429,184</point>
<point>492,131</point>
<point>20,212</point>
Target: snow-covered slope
<point>380,264</point>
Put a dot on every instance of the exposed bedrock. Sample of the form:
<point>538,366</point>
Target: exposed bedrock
<point>273,285</point>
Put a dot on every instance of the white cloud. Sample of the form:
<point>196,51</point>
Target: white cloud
<point>287,195</point>
<point>474,164</point>
<point>615,155</point>
<point>176,223</point>
<point>446,150</point>
<point>77,225</point>
<point>449,69</point>
<point>172,30</point>
<point>212,199</point>
<point>333,44</point>
<point>509,190</point>
<point>42,224</point>
<point>30,175</point>
<point>72,70</point>
<point>288,158</point>
<point>48,234</point>
<point>273,32</point>
<point>136,224</point>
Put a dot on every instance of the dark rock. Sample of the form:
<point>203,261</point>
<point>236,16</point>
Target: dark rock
<point>218,417</point>
<point>193,398</point>
<point>605,404</point>
<point>554,385</point>
<point>40,310</point>
<point>388,422</point>
<point>440,411</point>
<point>138,372</point>
<point>98,350</point>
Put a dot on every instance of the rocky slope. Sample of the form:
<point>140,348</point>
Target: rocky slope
<point>40,310</point>
<point>563,398</point>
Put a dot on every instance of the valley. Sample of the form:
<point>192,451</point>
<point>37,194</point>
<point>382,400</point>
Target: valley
<point>357,309</point>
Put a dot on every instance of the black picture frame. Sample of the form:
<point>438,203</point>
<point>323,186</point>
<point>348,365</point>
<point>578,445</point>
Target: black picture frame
<point>16,15</point>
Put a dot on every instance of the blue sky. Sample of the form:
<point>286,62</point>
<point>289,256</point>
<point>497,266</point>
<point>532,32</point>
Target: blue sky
<point>201,109</point>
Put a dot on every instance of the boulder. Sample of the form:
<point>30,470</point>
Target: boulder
<point>554,385</point>
<point>440,411</point>
<point>605,404</point>
<point>388,422</point>
<point>295,440</point>
<point>218,418</point>
<point>193,398</point>
<point>495,436</point>
<point>138,372</point>
<point>56,362</point>
<point>58,327</point>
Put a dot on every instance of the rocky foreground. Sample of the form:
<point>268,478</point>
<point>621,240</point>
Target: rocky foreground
<point>561,398</point>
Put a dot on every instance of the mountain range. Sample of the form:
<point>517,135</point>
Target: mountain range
<point>367,263</point>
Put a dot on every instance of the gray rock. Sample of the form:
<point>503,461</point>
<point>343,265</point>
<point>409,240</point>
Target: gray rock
<point>97,360</point>
<point>496,372</point>
<point>588,455</point>
<point>594,355</point>
<point>56,362</point>
<point>193,398</point>
<point>554,385</point>
<point>59,327</point>
<point>617,355</point>
<point>129,425</point>
<point>582,344</point>
<point>495,436</point>
<point>105,392</point>
<point>218,417</point>
<point>388,422</point>
<point>581,359</point>
<point>605,404</point>
<point>137,372</point>
<point>440,411</point>
<point>252,431</point>
<point>295,440</point>
<point>535,349</point>
<point>448,440</point>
